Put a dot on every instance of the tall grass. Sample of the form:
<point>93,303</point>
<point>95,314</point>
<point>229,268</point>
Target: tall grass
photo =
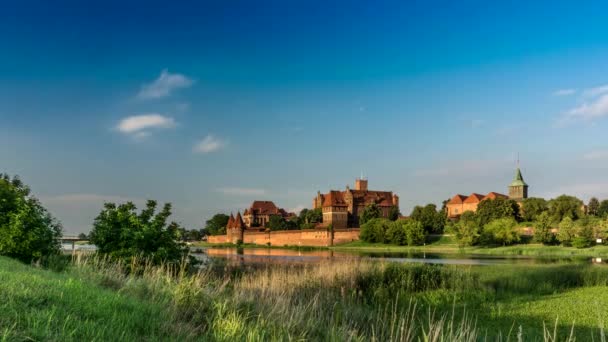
<point>355,300</point>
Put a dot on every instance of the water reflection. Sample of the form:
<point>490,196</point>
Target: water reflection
<point>275,255</point>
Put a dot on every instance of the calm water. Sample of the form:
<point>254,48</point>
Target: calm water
<point>263,255</point>
<point>275,255</point>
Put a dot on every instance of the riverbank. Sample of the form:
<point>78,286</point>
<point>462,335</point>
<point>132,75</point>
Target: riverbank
<point>353,300</point>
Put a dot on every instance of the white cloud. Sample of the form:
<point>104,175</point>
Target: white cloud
<point>164,85</point>
<point>564,92</point>
<point>596,155</point>
<point>242,191</point>
<point>209,144</point>
<point>140,125</point>
<point>590,110</point>
<point>592,92</point>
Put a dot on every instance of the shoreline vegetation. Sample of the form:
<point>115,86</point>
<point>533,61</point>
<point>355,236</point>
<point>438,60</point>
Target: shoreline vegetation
<point>93,298</point>
<point>442,245</point>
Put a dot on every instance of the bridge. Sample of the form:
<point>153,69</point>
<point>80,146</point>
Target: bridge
<point>73,240</point>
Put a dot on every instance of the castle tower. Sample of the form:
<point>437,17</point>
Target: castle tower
<point>361,184</point>
<point>235,229</point>
<point>518,189</point>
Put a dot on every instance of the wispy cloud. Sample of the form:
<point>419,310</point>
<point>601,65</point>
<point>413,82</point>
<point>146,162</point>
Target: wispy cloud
<point>140,126</point>
<point>209,144</point>
<point>164,85</point>
<point>242,191</point>
<point>564,92</point>
<point>590,110</point>
<point>593,106</point>
<point>592,92</point>
<point>596,155</point>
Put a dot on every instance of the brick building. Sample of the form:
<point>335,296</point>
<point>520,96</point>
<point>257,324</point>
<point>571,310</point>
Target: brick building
<point>342,209</point>
<point>518,191</point>
<point>260,212</point>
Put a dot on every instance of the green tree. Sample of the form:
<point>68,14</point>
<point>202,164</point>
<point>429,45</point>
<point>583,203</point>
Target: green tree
<point>501,231</point>
<point>375,230</point>
<point>414,232</point>
<point>121,233</point>
<point>395,234</point>
<point>83,236</point>
<point>593,208</point>
<point>603,209</point>
<point>567,231</point>
<point>372,211</point>
<point>532,207</point>
<point>27,230</point>
<point>314,216</point>
<point>432,221</point>
<point>216,225</point>
<point>493,209</point>
<point>467,229</point>
<point>276,222</point>
<point>565,206</point>
<point>394,213</point>
<point>542,229</point>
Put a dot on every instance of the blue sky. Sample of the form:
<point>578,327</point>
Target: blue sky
<point>210,105</point>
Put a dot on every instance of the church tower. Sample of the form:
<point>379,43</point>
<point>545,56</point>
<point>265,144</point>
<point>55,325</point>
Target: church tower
<point>518,189</point>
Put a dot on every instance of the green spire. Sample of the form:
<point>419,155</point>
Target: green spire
<point>518,180</point>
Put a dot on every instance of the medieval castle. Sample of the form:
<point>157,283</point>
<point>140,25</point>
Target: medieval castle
<point>341,211</point>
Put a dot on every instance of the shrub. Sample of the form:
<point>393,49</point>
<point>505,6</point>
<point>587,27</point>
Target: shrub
<point>375,230</point>
<point>502,231</point>
<point>467,229</point>
<point>566,232</point>
<point>121,233</point>
<point>27,231</point>
<point>542,229</point>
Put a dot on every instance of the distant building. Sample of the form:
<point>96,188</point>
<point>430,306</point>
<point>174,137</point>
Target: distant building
<point>342,209</point>
<point>260,212</point>
<point>518,191</point>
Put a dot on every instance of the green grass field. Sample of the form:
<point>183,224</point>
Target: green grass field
<point>354,300</point>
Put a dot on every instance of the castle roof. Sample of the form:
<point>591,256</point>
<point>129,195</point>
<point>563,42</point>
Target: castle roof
<point>518,180</point>
<point>474,198</point>
<point>334,199</point>
<point>238,221</point>
<point>457,199</point>
<point>495,195</point>
<point>264,208</point>
<point>230,222</point>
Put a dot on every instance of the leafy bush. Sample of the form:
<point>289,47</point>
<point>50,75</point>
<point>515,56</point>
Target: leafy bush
<point>123,234</point>
<point>467,229</point>
<point>566,231</point>
<point>375,230</point>
<point>542,229</point>
<point>493,209</point>
<point>501,231</point>
<point>27,231</point>
<point>432,221</point>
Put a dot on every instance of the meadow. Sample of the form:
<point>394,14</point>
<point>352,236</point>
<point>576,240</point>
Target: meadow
<point>89,298</point>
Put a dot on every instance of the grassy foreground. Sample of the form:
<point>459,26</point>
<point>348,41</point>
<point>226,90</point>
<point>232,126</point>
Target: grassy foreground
<point>354,300</point>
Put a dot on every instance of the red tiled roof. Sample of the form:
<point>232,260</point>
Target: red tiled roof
<point>230,222</point>
<point>457,199</point>
<point>334,199</point>
<point>474,198</point>
<point>264,208</point>
<point>238,221</point>
<point>495,195</point>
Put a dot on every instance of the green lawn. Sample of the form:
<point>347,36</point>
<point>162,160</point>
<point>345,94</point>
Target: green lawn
<point>355,300</point>
<point>41,305</point>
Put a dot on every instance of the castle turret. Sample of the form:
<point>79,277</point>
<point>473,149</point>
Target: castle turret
<point>235,229</point>
<point>518,189</point>
<point>361,184</point>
